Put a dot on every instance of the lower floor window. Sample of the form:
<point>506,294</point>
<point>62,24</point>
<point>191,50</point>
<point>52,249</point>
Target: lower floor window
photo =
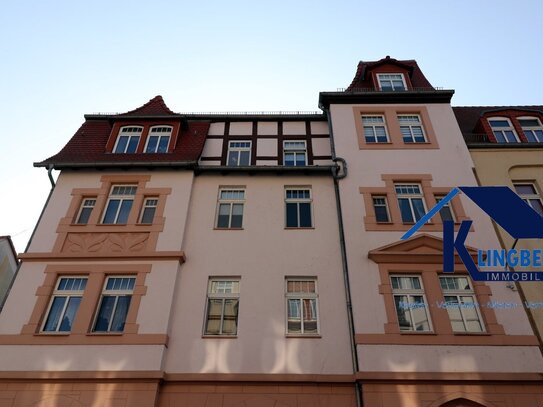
<point>114,304</point>
<point>461,304</point>
<point>302,307</point>
<point>410,303</point>
<point>222,307</point>
<point>298,208</point>
<point>64,304</point>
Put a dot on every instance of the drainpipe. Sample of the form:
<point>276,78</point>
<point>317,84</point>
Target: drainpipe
<point>339,173</point>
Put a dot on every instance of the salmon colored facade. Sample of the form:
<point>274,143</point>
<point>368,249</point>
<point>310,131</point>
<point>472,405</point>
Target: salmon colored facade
<point>254,260</point>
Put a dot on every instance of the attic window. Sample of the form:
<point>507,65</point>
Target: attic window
<point>159,139</point>
<point>503,130</point>
<point>391,82</point>
<point>128,140</point>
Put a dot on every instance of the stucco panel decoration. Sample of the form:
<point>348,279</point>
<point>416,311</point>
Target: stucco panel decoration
<point>105,242</point>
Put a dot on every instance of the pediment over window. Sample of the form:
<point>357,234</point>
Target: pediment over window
<point>423,248</point>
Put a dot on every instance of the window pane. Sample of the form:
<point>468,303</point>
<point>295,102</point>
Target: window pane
<point>510,136</point>
<point>289,159</point>
<point>418,208</point>
<point>111,210</point>
<point>500,138</point>
<point>310,316</point>
<point>151,144</point>
<point>214,313</point>
<point>233,158</point>
<point>536,204</point>
<point>69,314</point>
<point>525,189</point>
<point>305,214</point>
<point>381,214</point>
<point>244,157</point>
<point>292,215</point>
<point>294,316</point>
<point>163,144</point>
<point>404,318</point>
<point>54,314</point>
<point>300,159</point>
<point>104,314</point>
<point>530,135</point>
<point>121,310</point>
<point>84,216</point>
<point>237,215</point>
<point>405,209</point>
<point>453,309</point>
<point>121,144</point>
<point>133,144</point>
<point>126,205</point>
<point>419,314</point>
<point>148,215</point>
<point>230,316</point>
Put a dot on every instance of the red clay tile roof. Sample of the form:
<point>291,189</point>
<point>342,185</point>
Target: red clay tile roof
<point>468,116</point>
<point>88,145</point>
<point>362,80</point>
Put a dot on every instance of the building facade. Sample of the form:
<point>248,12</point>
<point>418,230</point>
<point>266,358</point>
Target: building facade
<point>256,259</point>
<point>8,266</point>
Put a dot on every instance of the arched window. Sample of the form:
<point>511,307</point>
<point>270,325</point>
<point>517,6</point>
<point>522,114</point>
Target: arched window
<point>532,128</point>
<point>159,139</point>
<point>503,130</point>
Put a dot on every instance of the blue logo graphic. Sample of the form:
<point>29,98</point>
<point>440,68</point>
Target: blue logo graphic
<point>509,211</point>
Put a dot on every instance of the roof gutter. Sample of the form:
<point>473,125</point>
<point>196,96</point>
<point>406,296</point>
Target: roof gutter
<point>110,164</point>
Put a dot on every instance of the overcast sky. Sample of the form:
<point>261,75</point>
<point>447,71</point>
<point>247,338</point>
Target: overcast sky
<point>62,59</point>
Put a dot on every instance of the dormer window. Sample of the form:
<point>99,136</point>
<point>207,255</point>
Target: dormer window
<point>159,139</point>
<point>391,82</point>
<point>531,126</point>
<point>503,130</point>
<point>128,140</point>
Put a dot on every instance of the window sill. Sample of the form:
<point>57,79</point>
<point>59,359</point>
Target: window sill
<point>45,333</point>
<point>296,228</point>
<point>379,143</point>
<point>472,334</point>
<point>384,223</point>
<point>228,229</point>
<point>418,333</point>
<point>104,333</point>
<point>219,336</point>
<point>304,336</point>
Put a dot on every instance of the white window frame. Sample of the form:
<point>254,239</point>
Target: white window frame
<point>295,151</point>
<point>129,134</point>
<point>503,130</point>
<point>297,201</point>
<point>410,197</point>
<point>383,74</point>
<point>410,293</point>
<point>411,124</point>
<point>384,197</point>
<point>528,197</point>
<point>459,293</point>
<point>366,122</point>
<point>160,135</point>
<point>532,129</point>
<point>438,198</point>
<point>238,150</point>
<point>122,198</point>
<point>221,296</point>
<point>231,202</point>
<point>302,296</point>
<point>150,202</point>
<point>63,293</point>
<point>116,294</point>
<point>86,203</point>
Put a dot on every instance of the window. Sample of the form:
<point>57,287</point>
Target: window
<point>128,140</point>
<point>410,201</point>
<point>64,304</point>
<point>375,130</point>
<point>114,304</point>
<point>230,208</point>
<point>411,306</point>
<point>119,204</point>
<point>391,82</point>
<point>148,211</point>
<point>302,307</point>
<point>239,153</point>
<point>222,307</point>
<point>381,209</point>
<point>503,130</point>
<point>159,139</point>
<point>529,194</point>
<point>446,212</point>
<point>85,211</point>
<point>461,304</point>
<point>295,153</point>
<point>532,128</point>
<point>298,208</point>
<point>411,128</point>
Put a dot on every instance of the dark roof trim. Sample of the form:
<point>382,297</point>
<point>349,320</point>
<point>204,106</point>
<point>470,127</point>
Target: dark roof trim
<point>492,146</point>
<point>429,96</point>
<point>213,116</point>
<point>308,170</point>
<point>139,164</point>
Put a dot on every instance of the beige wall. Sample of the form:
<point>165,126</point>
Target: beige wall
<point>8,266</point>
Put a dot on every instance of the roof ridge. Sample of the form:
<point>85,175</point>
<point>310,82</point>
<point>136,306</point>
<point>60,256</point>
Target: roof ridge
<point>156,103</point>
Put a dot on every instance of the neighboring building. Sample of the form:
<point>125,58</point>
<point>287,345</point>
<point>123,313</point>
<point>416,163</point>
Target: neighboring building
<point>255,259</point>
<point>8,266</point>
<point>404,150</point>
<point>506,145</point>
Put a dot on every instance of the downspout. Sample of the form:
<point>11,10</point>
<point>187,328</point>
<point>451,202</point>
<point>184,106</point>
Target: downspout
<point>339,173</point>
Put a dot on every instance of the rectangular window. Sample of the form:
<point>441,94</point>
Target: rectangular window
<point>119,204</point>
<point>230,208</point>
<point>529,194</point>
<point>381,209</point>
<point>158,140</point>
<point>375,130</point>
<point>298,208</point>
<point>410,303</point>
<point>391,82</point>
<point>532,128</point>
<point>64,304</point>
<point>461,304</point>
<point>85,211</point>
<point>446,212</point>
<point>411,128</point>
<point>114,304</point>
<point>148,210</point>
<point>239,153</point>
<point>503,130</point>
<point>222,307</point>
<point>128,140</point>
<point>410,201</point>
<point>294,153</point>
<point>302,307</point>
